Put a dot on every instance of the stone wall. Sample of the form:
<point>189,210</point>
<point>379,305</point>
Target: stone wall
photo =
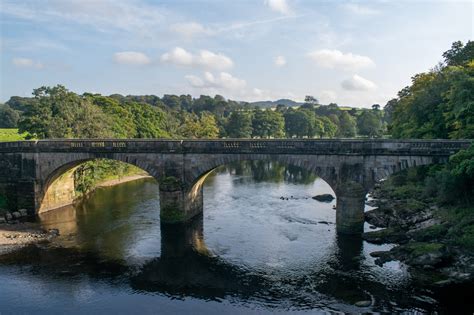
<point>60,193</point>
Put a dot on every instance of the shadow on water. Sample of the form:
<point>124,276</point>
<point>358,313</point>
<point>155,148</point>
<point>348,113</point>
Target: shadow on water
<point>186,268</point>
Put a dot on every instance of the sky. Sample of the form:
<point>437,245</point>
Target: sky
<point>347,52</point>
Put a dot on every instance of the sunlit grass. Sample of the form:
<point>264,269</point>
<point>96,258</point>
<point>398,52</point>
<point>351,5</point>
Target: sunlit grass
<point>11,135</point>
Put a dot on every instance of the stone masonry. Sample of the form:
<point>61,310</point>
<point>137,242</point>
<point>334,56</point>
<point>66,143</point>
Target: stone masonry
<point>351,167</point>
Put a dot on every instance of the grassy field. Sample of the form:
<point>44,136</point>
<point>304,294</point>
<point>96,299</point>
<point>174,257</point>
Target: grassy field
<point>11,135</point>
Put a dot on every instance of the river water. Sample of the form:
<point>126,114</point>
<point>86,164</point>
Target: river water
<point>261,246</point>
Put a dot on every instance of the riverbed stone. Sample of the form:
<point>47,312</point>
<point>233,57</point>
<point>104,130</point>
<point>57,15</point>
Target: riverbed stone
<point>363,303</point>
<point>324,198</point>
<point>16,215</point>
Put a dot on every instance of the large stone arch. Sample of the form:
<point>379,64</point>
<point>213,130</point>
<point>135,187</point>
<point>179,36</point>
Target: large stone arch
<point>183,200</point>
<point>195,170</point>
<point>50,170</point>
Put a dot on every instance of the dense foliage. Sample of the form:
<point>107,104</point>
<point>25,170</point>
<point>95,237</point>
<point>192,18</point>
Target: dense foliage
<point>448,189</point>
<point>8,117</point>
<point>439,103</point>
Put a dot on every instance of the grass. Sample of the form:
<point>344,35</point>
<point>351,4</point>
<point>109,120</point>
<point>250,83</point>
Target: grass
<point>11,135</point>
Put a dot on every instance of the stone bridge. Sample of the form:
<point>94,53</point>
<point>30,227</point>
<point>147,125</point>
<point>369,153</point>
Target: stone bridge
<point>28,169</point>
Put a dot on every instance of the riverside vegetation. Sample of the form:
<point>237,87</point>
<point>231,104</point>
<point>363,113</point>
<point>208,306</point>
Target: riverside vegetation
<point>429,210</point>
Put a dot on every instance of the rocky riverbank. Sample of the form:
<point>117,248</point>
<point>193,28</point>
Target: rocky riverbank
<point>16,235</point>
<point>433,240</point>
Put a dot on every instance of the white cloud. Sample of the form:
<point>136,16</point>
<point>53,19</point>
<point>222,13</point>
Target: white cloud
<point>178,56</point>
<point>359,9</point>
<point>208,59</point>
<point>190,29</point>
<point>358,83</point>
<point>103,15</point>
<point>131,58</point>
<point>27,63</point>
<point>280,61</point>
<point>222,82</point>
<point>336,59</point>
<point>280,6</point>
<point>204,59</point>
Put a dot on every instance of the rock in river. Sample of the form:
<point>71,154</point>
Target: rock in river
<point>324,198</point>
<point>363,303</point>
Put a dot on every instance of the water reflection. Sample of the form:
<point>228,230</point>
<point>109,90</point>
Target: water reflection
<point>268,171</point>
<point>249,251</point>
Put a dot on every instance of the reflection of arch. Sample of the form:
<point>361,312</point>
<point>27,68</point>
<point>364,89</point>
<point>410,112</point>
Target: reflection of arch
<point>58,187</point>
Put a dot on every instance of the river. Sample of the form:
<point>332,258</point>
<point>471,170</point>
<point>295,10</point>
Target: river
<point>261,246</point>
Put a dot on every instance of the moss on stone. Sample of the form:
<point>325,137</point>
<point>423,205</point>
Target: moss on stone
<point>170,183</point>
<point>434,232</point>
<point>421,248</point>
<point>171,213</point>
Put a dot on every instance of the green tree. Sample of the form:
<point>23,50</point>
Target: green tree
<point>299,123</point>
<point>8,117</point>
<point>59,113</point>
<point>459,113</point>
<point>347,125</point>
<point>459,54</point>
<point>329,127</point>
<point>122,120</point>
<point>197,127</point>
<point>369,124</point>
<point>268,124</point>
<point>239,125</point>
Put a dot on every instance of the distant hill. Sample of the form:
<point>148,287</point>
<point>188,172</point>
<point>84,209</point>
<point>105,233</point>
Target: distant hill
<point>283,101</point>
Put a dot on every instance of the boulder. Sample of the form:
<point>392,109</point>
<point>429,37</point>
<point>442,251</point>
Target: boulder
<point>3,220</point>
<point>8,216</point>
<point>54,232</point>
<point>388,235</point>
<point>363,303</point>
<point>427,260</point>
<point>16,215</point>
<point>23,212</point>
<point>324,198</point>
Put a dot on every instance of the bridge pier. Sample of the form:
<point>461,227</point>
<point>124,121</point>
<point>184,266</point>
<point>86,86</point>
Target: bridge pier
<point>21,194</point>
<point>179,204</point>
<point>350,208</point>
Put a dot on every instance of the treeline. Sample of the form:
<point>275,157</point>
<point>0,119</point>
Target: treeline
<point>55,112</point>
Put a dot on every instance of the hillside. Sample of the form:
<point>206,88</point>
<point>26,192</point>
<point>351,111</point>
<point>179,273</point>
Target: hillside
<point>270,104</point>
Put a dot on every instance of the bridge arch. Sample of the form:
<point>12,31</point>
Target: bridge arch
<point>197,173</point>
<point>56,187</point>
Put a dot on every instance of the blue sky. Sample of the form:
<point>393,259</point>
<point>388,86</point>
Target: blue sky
<point>351,53</point>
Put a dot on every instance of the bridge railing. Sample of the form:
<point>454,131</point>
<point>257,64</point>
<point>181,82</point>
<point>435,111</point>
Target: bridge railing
<point>274,146</point>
